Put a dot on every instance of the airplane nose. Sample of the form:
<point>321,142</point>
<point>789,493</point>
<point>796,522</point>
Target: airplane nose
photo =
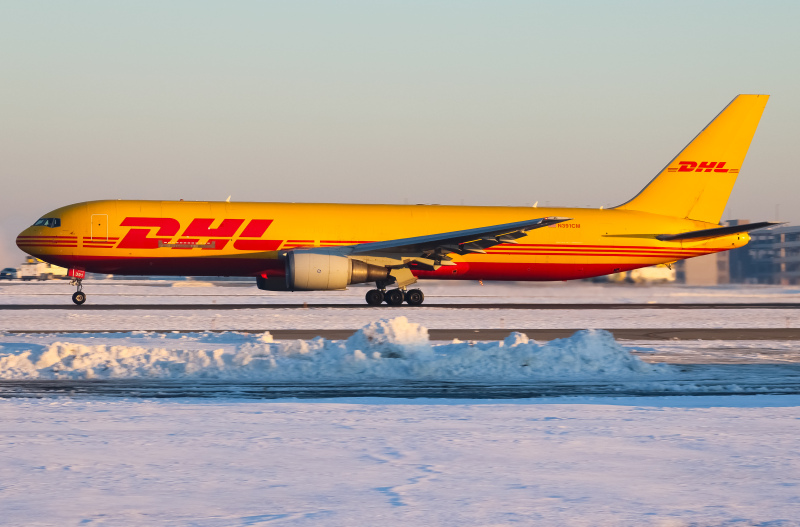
<point>23,235</point>
<point>26,240</point>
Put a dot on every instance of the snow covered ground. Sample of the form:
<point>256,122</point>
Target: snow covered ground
<point>674,462</point>
<point>390,356</point>
<point>319,318</point>
<point>262,320</point>
<point>71,456</point>
<point>392,349</point>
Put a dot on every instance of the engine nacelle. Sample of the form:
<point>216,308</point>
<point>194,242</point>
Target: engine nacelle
<point>271,284</point>
<point>323,271</point>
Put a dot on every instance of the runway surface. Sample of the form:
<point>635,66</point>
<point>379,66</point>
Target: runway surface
<point>544,307</point>
<point>500,334</point>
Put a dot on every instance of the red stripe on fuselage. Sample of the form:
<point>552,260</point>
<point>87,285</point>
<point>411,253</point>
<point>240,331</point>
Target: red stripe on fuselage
<point>583,246</point>
<point>583,249</point>
<point>523,272</point>
<point>45,245</point>
<point>343,242</point>
<point>42,237</point>
<point>637,255</point>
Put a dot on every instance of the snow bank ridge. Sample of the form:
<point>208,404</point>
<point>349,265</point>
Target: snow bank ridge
<point>386,349</point>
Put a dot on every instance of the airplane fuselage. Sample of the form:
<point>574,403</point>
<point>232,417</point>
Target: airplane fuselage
<point>184,238</point>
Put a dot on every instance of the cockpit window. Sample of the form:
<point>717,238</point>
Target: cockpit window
<point>48,222</point>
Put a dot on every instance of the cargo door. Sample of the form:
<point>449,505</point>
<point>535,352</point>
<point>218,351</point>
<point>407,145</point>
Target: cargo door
<point>99,230</point>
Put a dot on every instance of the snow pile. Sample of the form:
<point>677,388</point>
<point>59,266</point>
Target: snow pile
<point>387,349</point>
<point>395,338</point>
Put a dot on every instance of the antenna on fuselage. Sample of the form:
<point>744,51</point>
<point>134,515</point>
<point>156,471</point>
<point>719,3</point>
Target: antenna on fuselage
<point>228,200</point>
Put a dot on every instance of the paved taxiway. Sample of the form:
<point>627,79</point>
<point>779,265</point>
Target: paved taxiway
<point>545,307</point>
<point>700,380</point>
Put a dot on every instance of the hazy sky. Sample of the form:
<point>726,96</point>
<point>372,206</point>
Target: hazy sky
<point>485,103</point>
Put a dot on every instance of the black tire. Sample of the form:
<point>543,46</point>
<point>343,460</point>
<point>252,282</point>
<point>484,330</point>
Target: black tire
<point>414,297</point>
<point>79,297</point>
<point>395,297</point>
<point>374,297</point>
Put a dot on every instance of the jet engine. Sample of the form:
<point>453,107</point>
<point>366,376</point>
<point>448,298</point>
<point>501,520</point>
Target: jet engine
<point>322,271</point>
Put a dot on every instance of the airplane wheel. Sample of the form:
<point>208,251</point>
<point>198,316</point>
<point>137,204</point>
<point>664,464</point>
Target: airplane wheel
<point>414,297</point>
<point>374,297</point>
<point>79,297</point>
<point>395,297</point>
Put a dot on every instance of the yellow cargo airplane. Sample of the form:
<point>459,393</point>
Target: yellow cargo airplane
<point>309,246</point>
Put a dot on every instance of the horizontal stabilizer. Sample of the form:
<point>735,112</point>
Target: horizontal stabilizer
<point>716,233</point>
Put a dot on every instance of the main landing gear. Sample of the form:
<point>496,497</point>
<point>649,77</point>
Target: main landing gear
<point>79,297</point>
<point>395,297</point>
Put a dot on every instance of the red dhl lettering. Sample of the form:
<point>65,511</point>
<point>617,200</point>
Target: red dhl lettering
<point>703,166</point>
<point>256,229</point>
<point>202,227</point>
<point>139,238</point>
<point>143,237</point>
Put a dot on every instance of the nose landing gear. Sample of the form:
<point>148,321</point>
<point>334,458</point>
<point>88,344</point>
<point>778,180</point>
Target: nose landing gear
<point>79,297</point>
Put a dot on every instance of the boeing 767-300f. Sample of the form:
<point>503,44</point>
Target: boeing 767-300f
<point>310,246</point>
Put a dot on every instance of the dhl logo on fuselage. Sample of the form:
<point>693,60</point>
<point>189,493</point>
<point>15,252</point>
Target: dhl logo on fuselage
<point>703,166</point>
<point>217,238</point>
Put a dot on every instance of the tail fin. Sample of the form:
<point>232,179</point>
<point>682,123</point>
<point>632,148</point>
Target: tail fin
<point>696,184</point>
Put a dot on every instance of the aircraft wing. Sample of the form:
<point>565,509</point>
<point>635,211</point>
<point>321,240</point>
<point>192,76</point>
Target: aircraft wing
<point>437,246</point>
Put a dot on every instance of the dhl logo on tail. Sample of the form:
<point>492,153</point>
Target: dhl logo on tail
<point>703,166</point>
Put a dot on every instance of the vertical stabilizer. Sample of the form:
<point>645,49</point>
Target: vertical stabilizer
<point>696,184</point>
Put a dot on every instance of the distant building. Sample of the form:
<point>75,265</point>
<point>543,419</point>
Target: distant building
<point>771,257</point>
<point>711,269</point>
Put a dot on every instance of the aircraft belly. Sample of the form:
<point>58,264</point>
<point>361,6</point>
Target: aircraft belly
<point>172,266</point>
<point>538,267</point>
